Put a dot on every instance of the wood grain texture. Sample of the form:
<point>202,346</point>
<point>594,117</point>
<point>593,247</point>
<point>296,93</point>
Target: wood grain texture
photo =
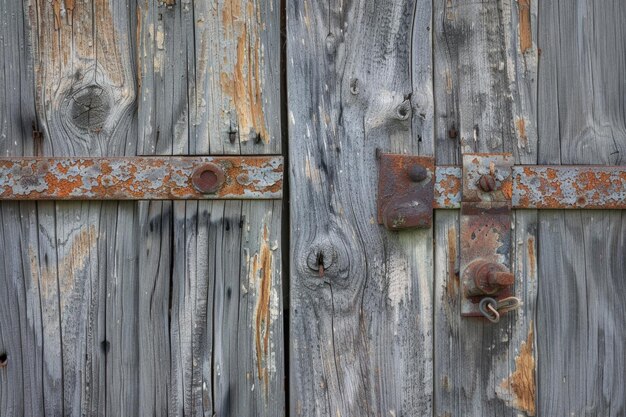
<point>485,86</point>
<point>207,348</point>
<point>581,337</point>
<point>361,318</point>
<point>582,348</point>
<point>209,77</point>
<point>106,311</point>
<point>581,83</point>
<point>85,90</point>
<point>23,382</point>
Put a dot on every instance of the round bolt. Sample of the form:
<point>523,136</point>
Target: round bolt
<point>490,278</point>
<point>208,178</point>
<point>487,183</point>
<point>417,173</point>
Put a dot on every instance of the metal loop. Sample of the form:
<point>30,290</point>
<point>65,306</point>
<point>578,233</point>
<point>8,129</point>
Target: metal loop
<point>508,304</point>
<point>490,304</point>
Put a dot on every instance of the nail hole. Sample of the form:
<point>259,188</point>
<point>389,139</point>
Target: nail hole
<point>354,86</point>
<point>320,263</point>
<point>105,345</point>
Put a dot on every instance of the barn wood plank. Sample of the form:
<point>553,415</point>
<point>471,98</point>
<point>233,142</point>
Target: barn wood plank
<point>85,104</point>
<point>358,78</point>
<point>208,73</point>
<point>484,96</point>
<point>24,380</point>
<point>209,76</point>
<point>580,333</point>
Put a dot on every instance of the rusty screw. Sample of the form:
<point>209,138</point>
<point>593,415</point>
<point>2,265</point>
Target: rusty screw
<point>417,173</point>
<point>487,183</point>
<point>208,178</point>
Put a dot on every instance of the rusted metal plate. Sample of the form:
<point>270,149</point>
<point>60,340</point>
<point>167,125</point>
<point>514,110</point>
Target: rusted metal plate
<point>405,191</point>
<point>485,229</point>
<point>557,187</point>
<point>141,178</point>
<point>477,167</point>
<point>546,187</point>
<point>448,187</point>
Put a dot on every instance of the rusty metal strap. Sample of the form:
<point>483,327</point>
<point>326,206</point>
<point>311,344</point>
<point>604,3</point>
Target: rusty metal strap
<point>141,178</point>
<point>546,187</point>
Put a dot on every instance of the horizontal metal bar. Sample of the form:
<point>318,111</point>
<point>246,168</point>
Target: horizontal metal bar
<point>141,178</point>
<point>546,187</point>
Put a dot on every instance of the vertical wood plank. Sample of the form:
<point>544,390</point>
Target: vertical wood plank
<point>24,380</point>
<point>85,87</point>
<point>209,84</point>
<point>361,318</point>
<point>209,76</point>
<point>484,76</point>
<point>580,332</point>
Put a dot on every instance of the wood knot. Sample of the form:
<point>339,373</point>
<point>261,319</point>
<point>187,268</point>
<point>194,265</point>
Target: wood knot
<point>354,86</point>
<point>4,359</point>
<point>321,258</point>
<point>403,111</point>
<point>89,108</point>
<point>331,43</point>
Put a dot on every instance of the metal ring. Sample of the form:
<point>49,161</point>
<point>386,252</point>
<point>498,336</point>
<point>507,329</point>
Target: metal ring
<point>508,304</point>
<point>491,304</point>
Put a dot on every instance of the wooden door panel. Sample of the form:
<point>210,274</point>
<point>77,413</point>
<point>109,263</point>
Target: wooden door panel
<point>580,328</point>
<point>359,80</point>
<point>484,90</point>
<point>150,307</point>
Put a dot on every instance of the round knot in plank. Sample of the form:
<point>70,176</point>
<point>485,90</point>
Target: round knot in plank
<point>89,108</point>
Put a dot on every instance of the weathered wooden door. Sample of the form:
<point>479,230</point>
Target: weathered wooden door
<point>128,308</point>
<point>375,326</point>
<point>169,301</point>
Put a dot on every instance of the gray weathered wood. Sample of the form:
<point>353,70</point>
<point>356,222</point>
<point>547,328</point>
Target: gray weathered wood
<point>360,327</point>
<point>85,89</point>
<point>104,312</point>
<point>208,73</point>
<point>580,325</point>
<point>484,77</point>
<point>581,336</point>
<point>23,309</point>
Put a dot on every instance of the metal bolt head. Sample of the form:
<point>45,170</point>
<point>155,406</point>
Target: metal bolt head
<point>417,173</point>
<point>487,183</point>
<point>208,178</point>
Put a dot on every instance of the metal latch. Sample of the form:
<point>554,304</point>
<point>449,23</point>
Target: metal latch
<point>486,235</point>
<point>406,186</point>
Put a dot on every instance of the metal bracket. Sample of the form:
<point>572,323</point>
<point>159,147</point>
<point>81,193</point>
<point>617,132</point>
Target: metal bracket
<point>406,186</point>
<point>142,178</point>
<point>485,230</point>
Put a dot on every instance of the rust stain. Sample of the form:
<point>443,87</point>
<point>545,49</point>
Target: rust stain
<point>262,269</point>
<point>453,278</point>
<point>75,260</point>
<point>525,31</point>
<point>531,256</point>
<point>244,84</point>
<point>521,383</point>
<point>520,123</point>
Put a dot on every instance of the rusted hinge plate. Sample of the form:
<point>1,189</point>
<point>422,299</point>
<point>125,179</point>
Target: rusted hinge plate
<point>405,191</point>
<point>485,230</point>
<point>141,178</point>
